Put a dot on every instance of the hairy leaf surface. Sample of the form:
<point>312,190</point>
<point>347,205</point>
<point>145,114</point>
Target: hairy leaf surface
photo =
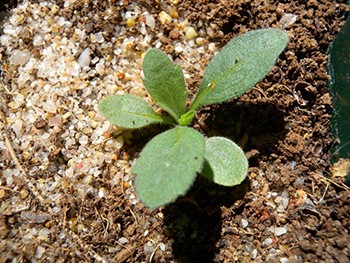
<point>225,162</point>
<point>243,62</point>
<point>168,165</point>
<point>129,111</point>
<point>165,82</point>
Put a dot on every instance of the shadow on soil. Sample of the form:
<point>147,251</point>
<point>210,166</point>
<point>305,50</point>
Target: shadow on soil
<point>194,221</point>
<point>258,127</point>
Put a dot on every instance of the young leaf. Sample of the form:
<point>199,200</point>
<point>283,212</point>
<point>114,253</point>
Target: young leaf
<point>165,82</point>
<point>168,165</point>
<point>186,118</point>
<point>225,162</point>
<point>129,111</point>
<point>242,63</point>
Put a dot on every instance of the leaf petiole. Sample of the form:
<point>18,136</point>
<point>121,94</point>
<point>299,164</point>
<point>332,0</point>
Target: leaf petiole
<point>186,118</point>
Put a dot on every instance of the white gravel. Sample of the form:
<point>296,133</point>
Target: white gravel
<point>55,72</point>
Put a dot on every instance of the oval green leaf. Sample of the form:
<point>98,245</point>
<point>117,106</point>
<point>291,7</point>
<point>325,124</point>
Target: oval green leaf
<point>225,162</point>
<point>165,82</point>
<point>129,111</point>
<point>168,165</point>
<point>242,63</point>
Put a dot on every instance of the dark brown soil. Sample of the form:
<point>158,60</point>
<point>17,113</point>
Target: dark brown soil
<point>6,5</point>
<point>283,126</point>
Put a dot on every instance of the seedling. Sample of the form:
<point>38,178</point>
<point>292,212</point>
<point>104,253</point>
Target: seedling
<point>170,162</point>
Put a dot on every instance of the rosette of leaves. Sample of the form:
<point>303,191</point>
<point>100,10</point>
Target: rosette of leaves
<point>170,162</point>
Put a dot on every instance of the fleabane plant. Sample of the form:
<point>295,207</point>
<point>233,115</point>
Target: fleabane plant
<point>170,162</point>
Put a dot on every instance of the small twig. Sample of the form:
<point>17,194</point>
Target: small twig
<point>153,253</point>
<point>122,179</point>
<point>21,234</point>
<point>35,108</point>
<point>2,98</point>
<point>324,193</point>
<point>123,246</point>
<point>343,186</point>
<point>25,174</point>
<point>81,209</point>
<point>4,86</point>
<point>64,219</point>
<point>107,226</point>
<point>12,152</point>
<point>105,219</point>
<point>20,209</point>
<point>191,64</point>
<point>133,215</point>
<point>260,91</point>
<point>8,189</point>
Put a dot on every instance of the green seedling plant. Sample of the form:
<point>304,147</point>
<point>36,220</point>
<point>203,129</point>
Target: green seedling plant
<point>170,162</point>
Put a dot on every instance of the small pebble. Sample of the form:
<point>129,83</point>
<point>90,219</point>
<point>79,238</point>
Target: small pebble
<point>178,48</point>
<point>83,140</point>
<point>49,106</point>
<point>56,209</point>
<point>190,32</point>
<point>133,14</point>
<point>248,248</point>
<point>173,12</point>
<point>130,22</point>
<point>23,194</point>
<point>254,253</point>
<point>50,224</point>
<point>55,8</point>
<point>287,20</point>
<point>84,58</point>
<point>100,68</point>
<point>102,192</point>
<point>44,234</point>
<point>267,242</point>
<point>162,246</point>
<point>211,47</point>
<point>39,252</point>
<point>280,209</point>
<point>142,29</point>
<point>164,18</point>
<point>279,231</point>
<point>244,223</point>
<point>18,101</point>
<point>17,127</point>
<point>119,142</point>
<point>199,41</point>
<point>174,34</point>
<point>148,248</point>
<point>19,58</point>
<point>123,240</point>
<point>150,21</point>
